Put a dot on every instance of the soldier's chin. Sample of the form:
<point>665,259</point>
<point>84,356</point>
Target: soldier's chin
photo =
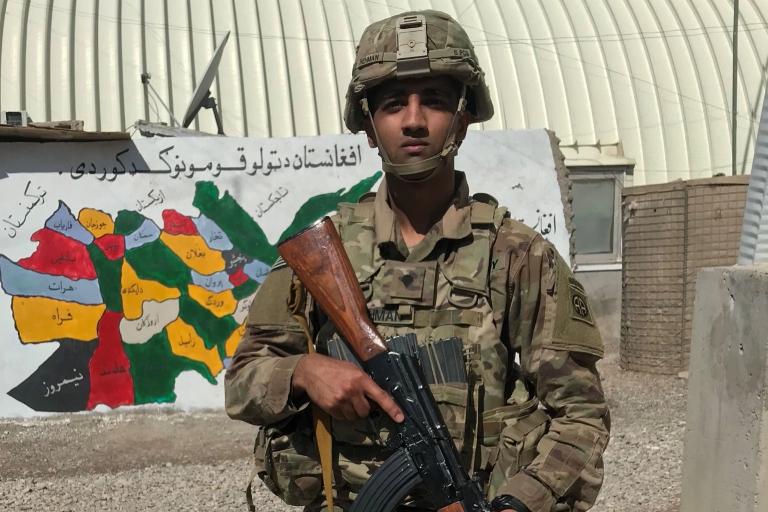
<point>421,175</point>
<point>418,176</point>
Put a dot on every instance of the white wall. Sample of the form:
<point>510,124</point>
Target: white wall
<point>158,321</point>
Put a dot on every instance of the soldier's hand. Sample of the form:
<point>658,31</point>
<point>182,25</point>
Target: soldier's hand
<point>340,388</point>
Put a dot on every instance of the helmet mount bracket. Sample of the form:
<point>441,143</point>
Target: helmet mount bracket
<point>412,53</point>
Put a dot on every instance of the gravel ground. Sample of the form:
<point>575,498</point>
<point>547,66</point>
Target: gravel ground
<point>644,459</point>
<point>169,461</point>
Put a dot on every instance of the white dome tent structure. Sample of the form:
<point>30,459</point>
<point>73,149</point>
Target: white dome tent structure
<point>645,83</point>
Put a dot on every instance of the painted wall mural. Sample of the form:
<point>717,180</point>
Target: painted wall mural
<point>123,288</point>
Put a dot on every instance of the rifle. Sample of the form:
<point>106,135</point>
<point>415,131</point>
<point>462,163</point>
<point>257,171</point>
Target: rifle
<point>424,450</point>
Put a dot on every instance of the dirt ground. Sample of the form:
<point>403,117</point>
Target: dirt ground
<point>169,460</point>
<point>71,445</point>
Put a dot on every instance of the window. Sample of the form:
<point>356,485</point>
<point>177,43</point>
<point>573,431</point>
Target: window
<point>597,215</point>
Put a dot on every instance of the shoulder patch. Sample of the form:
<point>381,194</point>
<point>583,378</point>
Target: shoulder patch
<point>580,309</point>
<point>574,327</point>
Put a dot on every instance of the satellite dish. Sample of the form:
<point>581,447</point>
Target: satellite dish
<point>202,97</point>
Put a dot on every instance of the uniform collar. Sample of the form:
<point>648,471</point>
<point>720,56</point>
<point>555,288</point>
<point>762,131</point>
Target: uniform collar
<point>454,225</point>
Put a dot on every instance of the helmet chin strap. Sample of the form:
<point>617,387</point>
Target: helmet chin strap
<point>450,146</point>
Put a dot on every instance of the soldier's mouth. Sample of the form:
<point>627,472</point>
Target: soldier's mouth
<point>414,146</point>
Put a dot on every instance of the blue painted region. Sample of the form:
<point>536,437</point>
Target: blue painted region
<point>65,223</point>
<point>215,283</point>
<point>16,280</point>
<point>147,233</point>
<point>213,235</point>
<point>257,270</point>
<point>227,361</point>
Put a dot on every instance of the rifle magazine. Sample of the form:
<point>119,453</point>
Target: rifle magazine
<point>388,486</point>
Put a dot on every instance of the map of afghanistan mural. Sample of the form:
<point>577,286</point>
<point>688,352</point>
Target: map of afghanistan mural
<point>133,304</point>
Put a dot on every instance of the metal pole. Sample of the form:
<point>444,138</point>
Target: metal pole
<point>734,93</point>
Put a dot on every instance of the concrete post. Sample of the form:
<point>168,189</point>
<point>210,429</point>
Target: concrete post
<point>725,467</point>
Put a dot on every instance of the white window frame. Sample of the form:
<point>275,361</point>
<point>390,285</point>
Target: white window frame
<point>617,174</point>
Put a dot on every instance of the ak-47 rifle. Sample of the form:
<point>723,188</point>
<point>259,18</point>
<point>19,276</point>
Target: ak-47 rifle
<point>424,449</point>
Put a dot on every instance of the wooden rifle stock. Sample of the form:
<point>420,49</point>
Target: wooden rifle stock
<point>319,260</point>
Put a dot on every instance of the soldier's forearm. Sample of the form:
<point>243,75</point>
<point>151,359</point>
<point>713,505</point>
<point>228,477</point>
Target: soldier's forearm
<point>260,393</point>
<point>570,453</point>
<point>258,382</point>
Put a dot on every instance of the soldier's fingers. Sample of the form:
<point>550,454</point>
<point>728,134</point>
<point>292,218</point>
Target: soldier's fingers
<point>361,405</point>
<point>349,412</point>
<point>380,396</point>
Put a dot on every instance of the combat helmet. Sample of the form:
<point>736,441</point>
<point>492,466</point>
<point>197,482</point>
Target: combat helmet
<point>411,45</point>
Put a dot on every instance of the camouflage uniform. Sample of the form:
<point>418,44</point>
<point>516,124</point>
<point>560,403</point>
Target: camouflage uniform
<point>531,420</point>
<point>450,284</point>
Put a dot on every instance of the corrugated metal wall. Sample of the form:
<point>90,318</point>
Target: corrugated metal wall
<point>671,232</point>
<point>654,75</point>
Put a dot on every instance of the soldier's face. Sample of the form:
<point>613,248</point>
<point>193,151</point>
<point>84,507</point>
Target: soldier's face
<point>413,116</point>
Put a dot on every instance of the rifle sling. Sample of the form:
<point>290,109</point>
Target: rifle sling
<point>320,418</point>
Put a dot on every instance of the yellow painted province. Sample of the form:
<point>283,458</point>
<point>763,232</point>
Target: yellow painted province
<point>194,253</point>
<point>234,340</point>
<point>98,223</point>
<point>220,304</point>
<point>39,319</point>
<point>136,291</point>
<point>185,342</point>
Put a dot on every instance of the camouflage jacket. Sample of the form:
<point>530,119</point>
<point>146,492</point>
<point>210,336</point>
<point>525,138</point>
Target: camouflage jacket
<point>530,421</point>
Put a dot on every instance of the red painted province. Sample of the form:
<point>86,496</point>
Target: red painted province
<point>175,223</point>
<point>111,381</point>
<point>113,246</point>
<point>59,255</point>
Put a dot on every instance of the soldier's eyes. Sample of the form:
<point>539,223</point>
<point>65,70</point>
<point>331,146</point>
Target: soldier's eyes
<point>393,105</point>
<point>434,102</point>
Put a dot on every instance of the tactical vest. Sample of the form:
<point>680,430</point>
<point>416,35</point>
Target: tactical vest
<point>493,418</point>
<point>462,294</point>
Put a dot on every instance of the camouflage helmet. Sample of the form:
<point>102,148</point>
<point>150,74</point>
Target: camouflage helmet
<point>392,48</point>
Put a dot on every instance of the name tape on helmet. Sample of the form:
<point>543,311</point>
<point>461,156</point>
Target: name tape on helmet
<point>372,58</point>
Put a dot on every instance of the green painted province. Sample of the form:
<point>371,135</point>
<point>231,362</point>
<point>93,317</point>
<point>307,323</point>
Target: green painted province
<point>108,273</point>
<point>154,369</point>
<point>247,235</point>
<point>214,331</point>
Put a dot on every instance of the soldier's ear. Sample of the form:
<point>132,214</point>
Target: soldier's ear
<point>368,127</point>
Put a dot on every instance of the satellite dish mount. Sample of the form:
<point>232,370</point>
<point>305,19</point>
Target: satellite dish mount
<point>202,97</point>
<point>207,102</point>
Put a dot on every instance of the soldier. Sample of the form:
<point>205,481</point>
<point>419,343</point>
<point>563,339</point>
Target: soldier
<point>530,419</point>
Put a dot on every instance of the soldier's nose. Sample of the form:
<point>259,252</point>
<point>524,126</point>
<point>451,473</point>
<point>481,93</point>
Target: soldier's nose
<point>414,120</point>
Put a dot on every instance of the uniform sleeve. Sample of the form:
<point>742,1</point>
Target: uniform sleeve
<point>559,344</point>
<point>257,386</point>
